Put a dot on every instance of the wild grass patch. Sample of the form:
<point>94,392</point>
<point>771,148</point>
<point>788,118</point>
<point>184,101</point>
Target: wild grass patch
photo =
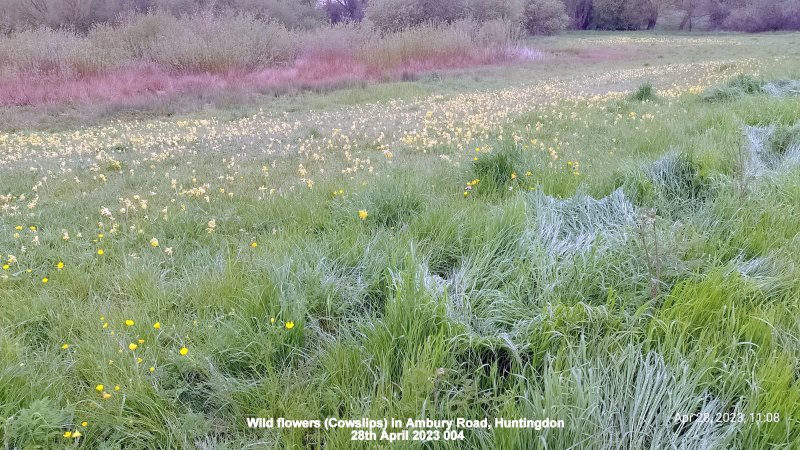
<point>645,92</point>
<point>740,86</point>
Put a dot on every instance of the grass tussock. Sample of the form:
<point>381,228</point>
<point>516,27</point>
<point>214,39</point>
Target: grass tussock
<point>740,86</point>
<point>495,173</point>
<point>644,93</point>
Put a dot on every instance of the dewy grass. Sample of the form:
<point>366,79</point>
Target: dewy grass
<point>772,149</point>
<point>782,88</point>
<point>163,279</point>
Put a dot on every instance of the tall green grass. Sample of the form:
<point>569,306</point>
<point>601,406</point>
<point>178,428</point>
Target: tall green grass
<point>526,302</point>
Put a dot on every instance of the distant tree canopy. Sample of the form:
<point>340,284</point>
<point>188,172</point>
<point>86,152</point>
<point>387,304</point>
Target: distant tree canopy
<point>83,14</point>
<point>537,16</point>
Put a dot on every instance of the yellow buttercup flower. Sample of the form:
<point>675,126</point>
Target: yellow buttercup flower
<point>132,346</point>
<point>60,265</point>
<point>130,323</point>
<point>65,346</point>
<point>100,252</point>
<point>254,244</point>
<point>106,396</point>
<point>363,214</point>
<point>184,351</point>
<point>68,434</point>
<point>45,280</point>
<point>154,242</point>
<point>99,388</point>
<point>289,325</point>
<point>84,423</point>
<point>157,325</point>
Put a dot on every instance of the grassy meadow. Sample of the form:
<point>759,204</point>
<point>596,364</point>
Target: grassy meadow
<point>607,235</point>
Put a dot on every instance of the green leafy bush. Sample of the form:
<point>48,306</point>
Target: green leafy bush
<point>545,17</point>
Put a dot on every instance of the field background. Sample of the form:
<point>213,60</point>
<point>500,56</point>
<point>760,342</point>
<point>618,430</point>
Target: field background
<point>545,238</point>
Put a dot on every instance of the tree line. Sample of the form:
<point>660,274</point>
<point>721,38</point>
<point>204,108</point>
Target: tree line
<point>538,16</point>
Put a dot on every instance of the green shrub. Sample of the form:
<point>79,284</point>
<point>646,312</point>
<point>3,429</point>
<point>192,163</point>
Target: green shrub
<point>486,10</point>
<point>396,15</point>
<point>623,14</point>
<point>545,17</point>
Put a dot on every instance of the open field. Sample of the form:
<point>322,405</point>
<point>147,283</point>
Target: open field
<point>546,239</point>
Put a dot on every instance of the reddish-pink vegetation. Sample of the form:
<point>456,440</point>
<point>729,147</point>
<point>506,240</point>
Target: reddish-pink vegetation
<point>138,83</point>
